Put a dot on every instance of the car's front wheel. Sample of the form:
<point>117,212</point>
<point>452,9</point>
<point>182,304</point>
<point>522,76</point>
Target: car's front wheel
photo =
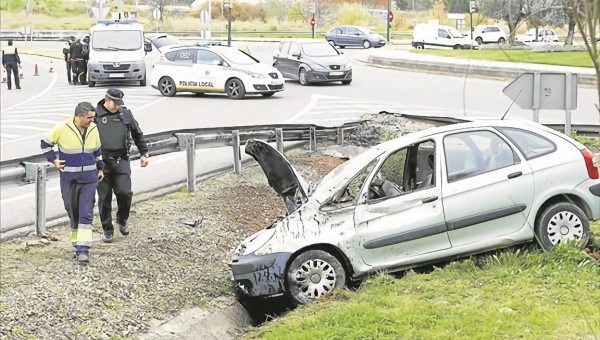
<point>312,275</point>
<point>235,89</point>
<point>562,223</point>
<point>303,78</point>
<point>166,86</point>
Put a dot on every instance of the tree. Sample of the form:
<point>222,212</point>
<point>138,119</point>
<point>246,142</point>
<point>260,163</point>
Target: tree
<point>562,16</point>
<point>457,6</point>
<point>514,12</point>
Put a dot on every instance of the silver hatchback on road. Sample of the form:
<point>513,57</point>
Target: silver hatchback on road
<point>343,36</point>
<point>429,196</point>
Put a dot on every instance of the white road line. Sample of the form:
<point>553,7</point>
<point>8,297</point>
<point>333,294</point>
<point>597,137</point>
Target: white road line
<point>30,121</point>
<point>6,135</point>
<point>313,101</point>
<point>46,90</point>
<point>23,127</point>
<point>39,115</point>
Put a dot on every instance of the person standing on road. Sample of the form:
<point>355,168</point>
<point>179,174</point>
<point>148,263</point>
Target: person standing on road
<point>77,56</point>
<point>80,164</point>
<point>10,61</point>
<point>117,127</point>
<point>67,52</point>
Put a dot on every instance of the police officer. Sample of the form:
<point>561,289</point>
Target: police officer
<point>116,125</point>
<point>66,52</point>
<point>10,60</point>
<point>77,56</point>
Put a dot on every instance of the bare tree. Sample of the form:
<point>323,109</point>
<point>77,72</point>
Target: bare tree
<point>515,12</point>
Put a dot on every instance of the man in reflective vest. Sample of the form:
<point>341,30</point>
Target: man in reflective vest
<point>80,164</point>
<point>10,61</point>
<point>116,125</point>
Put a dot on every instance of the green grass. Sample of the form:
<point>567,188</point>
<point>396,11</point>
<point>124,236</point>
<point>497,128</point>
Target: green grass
<point>578,59</point>
<point>512,295</point>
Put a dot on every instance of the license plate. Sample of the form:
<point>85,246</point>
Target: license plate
<point>274,82</point>
<point>336,73</point>
<point>116,75</point>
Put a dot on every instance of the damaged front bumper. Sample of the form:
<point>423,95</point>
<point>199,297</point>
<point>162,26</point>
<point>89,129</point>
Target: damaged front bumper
<point>259,276</point>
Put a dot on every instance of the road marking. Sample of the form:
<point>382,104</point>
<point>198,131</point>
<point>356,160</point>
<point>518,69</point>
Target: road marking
<point>46,90</point>
<point>6,135</point>
<point>23,127</point>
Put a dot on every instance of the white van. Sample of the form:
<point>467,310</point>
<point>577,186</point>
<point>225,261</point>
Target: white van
<point>435,36</point>
<point>117,52</point>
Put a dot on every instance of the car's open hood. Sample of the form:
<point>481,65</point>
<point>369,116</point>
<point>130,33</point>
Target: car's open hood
<point>282,176</point>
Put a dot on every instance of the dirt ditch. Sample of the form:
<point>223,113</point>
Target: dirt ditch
<point>175,257</point>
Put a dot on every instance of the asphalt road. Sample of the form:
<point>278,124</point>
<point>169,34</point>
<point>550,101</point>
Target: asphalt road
<point>47,98</point>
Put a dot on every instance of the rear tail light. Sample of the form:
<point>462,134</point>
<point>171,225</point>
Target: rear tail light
<point>589,164</point>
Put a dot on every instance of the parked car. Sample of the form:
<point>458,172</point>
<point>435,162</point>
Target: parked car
<point>485,34</point>
<point>203,68</point>
<point>429,196</point>
<point>313,61</point>
<point>544,35</point>
<point>343,36</point>
<point>436,36</point>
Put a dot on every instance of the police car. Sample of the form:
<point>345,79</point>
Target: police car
<point>208,68</point>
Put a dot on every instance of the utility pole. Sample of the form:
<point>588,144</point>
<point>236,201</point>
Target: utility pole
<point>472,9</point>
<point>312,9</point>
<point>389,19</point>
<point>230,4</point>
<point>119,7</point>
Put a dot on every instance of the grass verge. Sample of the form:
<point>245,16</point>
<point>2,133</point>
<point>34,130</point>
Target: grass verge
<point>577,59</point>
<point>510,295</point>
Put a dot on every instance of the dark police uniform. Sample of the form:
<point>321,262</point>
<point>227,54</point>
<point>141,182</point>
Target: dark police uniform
<point>10,60</point>
<point>117,130</point>
<point>66,52</point>
<point>77,60</point>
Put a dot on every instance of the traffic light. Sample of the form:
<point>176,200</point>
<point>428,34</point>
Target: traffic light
<point>473,8</point>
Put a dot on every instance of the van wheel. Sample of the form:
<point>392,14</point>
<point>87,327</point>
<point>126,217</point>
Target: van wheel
<point>91,83</point>
<point>420,46</point>
<point>312,275</point>
<point>562,223</point>
<point>143,81</point>
<point>457,47</point>
<point>366,44</point>
<point>166,86</point>
<point>479,40</point>
<point>235,89</point>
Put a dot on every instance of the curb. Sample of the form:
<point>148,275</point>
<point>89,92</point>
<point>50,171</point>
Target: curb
<point>459,69</point>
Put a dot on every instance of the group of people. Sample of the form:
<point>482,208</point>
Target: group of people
<point>76,58</point>
<point>11,62</point>
<point>93,155</point>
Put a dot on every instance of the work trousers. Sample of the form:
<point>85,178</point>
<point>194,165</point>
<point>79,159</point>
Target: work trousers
<point>68,71</point>
<point>12,67</point>
<point>117,178</point>
<point>79,199</point>
<point>77,67</point>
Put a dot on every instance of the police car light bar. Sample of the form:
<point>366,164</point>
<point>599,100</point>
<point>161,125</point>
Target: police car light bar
<point>117,21</point>
<point>208,43</point>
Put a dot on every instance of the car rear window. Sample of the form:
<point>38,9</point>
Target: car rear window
<point>530,144</point>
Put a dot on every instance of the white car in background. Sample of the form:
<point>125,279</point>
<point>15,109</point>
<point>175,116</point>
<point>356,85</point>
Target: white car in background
<point>205,68</point>
<point>485,34</point>
<point>544,35</point>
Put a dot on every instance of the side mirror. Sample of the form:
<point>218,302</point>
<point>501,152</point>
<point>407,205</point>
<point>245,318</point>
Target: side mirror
<point>148,47</point>
<point>296,55</point>
<point>216,62</point>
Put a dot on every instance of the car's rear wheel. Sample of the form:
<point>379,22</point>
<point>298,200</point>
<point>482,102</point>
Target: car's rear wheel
<point>268,94</point>
<point>303,78</point>
<point>501,41</point>
<point>479,40</point>
<point>562,223</point>
<point>166,86</point>
<point>312,275</point>
<point>366,44</point>
<point>235,88</point>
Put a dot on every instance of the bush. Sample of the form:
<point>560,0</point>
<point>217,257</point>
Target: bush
<point>353,14</point>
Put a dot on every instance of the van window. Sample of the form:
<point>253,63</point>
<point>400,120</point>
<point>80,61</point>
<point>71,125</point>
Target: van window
<point>443,34</point>
<point>127,40</point>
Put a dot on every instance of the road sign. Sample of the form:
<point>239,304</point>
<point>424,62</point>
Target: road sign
<point>473,8</point>
<point>204,16</point>
<point>228,3</point>
<point>545,91</point>
<point>391,16</point>
<point>156,14</point>
<point>456,16</point>
<point>311,8</point>
<point>312,22</point>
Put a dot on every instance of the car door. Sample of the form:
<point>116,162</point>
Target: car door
<point>487,187</point>
<point>443,39</point>
<point>409,220</point>
<point>208,71</point>
<point>281,57</point>
<point>293,60</point>
<point>181,68</point>
<point>337,36</point>
<point>354,36</point>
<point>343,38</point>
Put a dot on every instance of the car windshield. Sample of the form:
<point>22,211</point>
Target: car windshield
<point>455,33</point>
<point>319,49</point>
<point>237,57</point>
<point>117,40</point>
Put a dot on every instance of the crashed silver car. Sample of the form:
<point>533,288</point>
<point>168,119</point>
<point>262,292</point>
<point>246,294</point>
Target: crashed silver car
<point>433,195</point>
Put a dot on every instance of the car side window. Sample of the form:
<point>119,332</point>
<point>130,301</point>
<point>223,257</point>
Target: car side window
<point>443,34</point>
<point>185,57</point>
<point>285,47</point>
<point>425,165</point>
<point>353,31</point>
<point>344,30</point>
<point>494,29</point>
<point>207,57</point>
<point>349,195</point>
<point>530,144</point>
<point>294,49</point>
<point>473,153</point>
<point>171,56</point>
<point>336,31</point>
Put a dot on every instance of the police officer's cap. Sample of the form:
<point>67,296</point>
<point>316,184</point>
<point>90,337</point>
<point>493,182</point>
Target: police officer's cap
<point>115,95</point>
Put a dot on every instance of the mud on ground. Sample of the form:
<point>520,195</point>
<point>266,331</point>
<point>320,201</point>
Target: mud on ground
<point>164,265</point>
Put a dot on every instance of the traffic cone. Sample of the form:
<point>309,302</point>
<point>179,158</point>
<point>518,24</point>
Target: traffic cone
<point>36,71</point>
<point>51,68</point>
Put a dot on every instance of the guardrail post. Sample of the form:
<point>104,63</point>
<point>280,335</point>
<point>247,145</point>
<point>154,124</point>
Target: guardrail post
<point>237,156</point>
<point>279,139</point>
<point>313,139</point>
<point>340,136</point>
<point>189,141</point>
<point>40,200</point>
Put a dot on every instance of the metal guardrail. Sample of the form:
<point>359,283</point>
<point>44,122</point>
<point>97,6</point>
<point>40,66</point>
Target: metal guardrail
<point>53,35</point>
<point>35,169</point>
